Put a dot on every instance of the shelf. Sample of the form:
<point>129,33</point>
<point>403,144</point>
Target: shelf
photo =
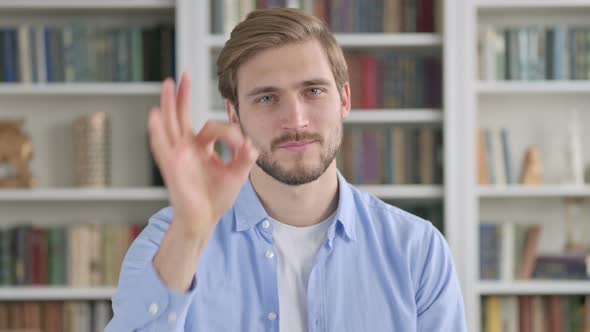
<point>404,191</point>
<point>81,194</point>
<point>405,116</point>
<point>401,116</point>
<point>86,4</point>
<point>531,87</point>
<point>534,191</point>
<point>34,293</point>
<point>534,287</point>
<point>531,4</point>
<point>98,89</point>
<point>368,40</point>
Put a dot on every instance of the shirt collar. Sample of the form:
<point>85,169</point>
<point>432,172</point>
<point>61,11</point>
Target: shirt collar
<point>249,210</point>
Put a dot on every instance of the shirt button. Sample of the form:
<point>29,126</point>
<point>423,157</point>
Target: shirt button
<point>172,317</point>
<point>265,223</point>
<point>272,316</point>
<point>270,254</point>
<point>153,309</point>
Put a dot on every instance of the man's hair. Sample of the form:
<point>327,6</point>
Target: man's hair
<point>266,28</point>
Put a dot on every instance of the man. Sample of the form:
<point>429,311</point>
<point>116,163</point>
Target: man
<point>276,239</point>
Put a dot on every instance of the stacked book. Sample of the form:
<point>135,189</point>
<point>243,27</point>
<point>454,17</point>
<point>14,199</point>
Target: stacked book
<point>55,316</point>
<point>79,255</point>
<point>92,150</point>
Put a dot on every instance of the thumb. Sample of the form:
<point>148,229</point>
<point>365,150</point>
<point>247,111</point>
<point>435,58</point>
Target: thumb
<point>244,159</point>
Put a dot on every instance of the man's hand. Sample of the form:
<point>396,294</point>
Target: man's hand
<point>201,186</point>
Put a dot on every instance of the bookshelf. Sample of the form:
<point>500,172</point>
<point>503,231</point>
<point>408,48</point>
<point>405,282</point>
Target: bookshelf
<point>535,112</point>
<point>52,106</point>
<point>436,44</point>
<point>56,202</point>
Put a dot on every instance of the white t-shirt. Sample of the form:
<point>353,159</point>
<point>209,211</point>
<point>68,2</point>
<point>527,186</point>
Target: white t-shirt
<point>296,248</point>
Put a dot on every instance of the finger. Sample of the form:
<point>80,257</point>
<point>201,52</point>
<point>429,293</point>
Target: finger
<point>183,103</point>
<point>168,105</point>
<point>217,131</point>
<point>244,159</point>
<point>158,140</point>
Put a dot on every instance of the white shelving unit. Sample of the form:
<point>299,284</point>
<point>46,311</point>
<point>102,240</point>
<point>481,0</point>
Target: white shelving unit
<point>543,87</point>
<point>536,287</point>
<point>87,4</point>
<point>82,89</point>
<point>405,192</point>
<point>412,40</point>
<point>431,43</point>
<point>534,192</point>
<point>49,110</point>
<point>84,195</point>
<point>536,112</point>
<point>131,102</point>
<point>386,117</point>
<point>38,293</point>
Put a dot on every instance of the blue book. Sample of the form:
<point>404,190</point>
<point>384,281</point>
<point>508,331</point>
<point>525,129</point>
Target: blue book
<point>9,46</point>
<point>510,179</point>
<point>489,155</point>
<point>489,251</point>
<point>48,58</point>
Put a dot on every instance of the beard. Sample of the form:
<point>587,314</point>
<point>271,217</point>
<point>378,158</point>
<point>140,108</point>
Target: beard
<point>301,173</point>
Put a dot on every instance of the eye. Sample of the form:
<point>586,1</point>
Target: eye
<point>314,91</point>
<point>264,99</point>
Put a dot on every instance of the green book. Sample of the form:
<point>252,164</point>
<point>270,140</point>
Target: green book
<point>56,255</point>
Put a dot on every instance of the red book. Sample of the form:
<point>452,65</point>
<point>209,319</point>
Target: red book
<point>555,314</point>
<point>369,85</point>
<point>525,309</point>
<point>43,257</point>
<point>35,256</point>
<point>425,15</point>
<point>135,230</point>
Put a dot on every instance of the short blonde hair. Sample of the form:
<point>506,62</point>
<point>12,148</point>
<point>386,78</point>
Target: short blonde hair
<point>266,28</point>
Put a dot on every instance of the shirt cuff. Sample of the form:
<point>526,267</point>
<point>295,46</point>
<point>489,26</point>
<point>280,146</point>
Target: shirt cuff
<point>159,304</point>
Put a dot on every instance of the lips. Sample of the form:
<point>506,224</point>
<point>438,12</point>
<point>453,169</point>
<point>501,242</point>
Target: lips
<point>295,144</point>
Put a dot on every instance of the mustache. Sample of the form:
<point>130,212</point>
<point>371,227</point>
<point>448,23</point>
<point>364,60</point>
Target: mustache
<point>296,137</point>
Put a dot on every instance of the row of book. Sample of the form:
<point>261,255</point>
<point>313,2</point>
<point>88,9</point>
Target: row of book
<point>535,313</point>
<point>374,16</point>
<point>81,52</point>
<point>509,251</point>
<point>225,15</point>
<point>534,53</point>
<point>390,79</point>
<point>383,79</point>
<point>78,255</point>
<point>397,155</point>
<point>389,16</point>
<point>495,165</point>
<point>55,316</point>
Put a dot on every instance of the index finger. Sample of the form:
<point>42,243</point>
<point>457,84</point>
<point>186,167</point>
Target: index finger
<point>214,131</point>
<point>183,103</point>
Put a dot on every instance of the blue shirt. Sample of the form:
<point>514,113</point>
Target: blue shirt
<point>379,269</point>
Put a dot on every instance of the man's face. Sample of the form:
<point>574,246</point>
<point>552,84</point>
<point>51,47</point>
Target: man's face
<point>290,106</point>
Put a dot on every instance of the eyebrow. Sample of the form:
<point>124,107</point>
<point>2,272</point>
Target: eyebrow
<point>268,89</point>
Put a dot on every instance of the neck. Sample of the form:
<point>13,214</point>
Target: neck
<point>300,206</point>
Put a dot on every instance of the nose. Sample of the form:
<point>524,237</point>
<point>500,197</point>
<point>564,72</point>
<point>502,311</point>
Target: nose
<point>294,114</point>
